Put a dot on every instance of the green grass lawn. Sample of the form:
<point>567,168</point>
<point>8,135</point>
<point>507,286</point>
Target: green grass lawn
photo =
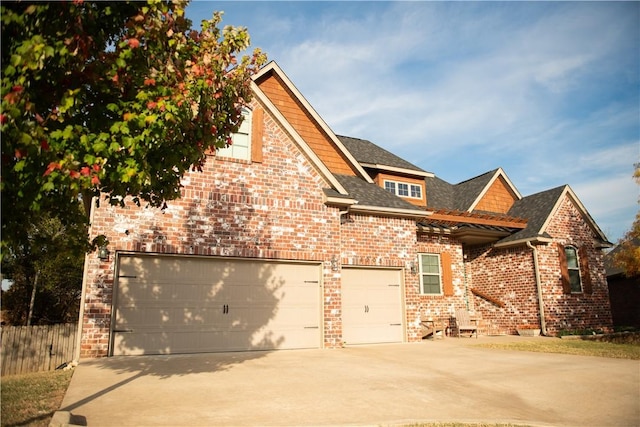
<point>32,399</point>
<point>576,347</point>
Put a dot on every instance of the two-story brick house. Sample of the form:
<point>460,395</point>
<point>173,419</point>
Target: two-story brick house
<point>294,237</point>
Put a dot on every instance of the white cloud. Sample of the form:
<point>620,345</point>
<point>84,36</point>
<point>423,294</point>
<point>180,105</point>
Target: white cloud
<point>612,202</point>
<point>548,90</point>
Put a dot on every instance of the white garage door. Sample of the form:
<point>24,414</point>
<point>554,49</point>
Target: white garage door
<point>169,305</point>
<point>371,306</point>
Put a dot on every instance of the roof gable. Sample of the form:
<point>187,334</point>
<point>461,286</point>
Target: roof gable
<point>466,193</point>
<point>539,210</point>
<point>492,192</point>
<point>480,190</point>
<point>286,98</point>
<point>284,124</point>
<point>498,196</point>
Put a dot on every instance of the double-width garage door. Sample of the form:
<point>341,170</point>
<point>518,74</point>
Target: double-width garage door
<point>169,305</point>
<point>371,306</point>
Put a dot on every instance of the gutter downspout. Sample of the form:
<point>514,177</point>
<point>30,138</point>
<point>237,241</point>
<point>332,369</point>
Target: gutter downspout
<point>543,323</point>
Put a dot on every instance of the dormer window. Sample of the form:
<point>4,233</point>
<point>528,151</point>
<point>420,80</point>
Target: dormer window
<point>403,189</point>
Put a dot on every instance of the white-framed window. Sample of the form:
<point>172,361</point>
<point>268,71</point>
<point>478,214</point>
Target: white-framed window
<point>390,186</point>
<point>430,274</point>
<point>403,189</point>
<point>240,147</point>
<point>573,268</point>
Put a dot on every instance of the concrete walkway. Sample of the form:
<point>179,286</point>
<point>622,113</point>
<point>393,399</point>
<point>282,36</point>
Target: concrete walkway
<point>442,380</point>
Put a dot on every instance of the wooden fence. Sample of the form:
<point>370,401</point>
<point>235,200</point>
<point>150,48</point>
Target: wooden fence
<point>37,348</point>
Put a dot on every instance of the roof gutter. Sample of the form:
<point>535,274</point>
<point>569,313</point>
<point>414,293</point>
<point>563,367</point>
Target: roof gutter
<point>339,201</point>
<point>536,269</point>
<point>539,239</point>
<point>604,244</point>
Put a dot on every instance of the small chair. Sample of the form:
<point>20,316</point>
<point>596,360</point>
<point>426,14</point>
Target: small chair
<point>431,327</point>
<point>464,322</point>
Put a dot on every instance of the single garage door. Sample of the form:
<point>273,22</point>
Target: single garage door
<point>371,306</point>
<point>170,305</point>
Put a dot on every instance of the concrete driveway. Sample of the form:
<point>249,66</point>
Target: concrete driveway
<point>442,380</point>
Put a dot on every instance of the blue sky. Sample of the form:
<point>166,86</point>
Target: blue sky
<point>549,91</point>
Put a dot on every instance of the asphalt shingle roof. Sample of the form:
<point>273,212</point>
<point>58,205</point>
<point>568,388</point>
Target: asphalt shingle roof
<point>466,192</point>
<point>439,193</point>
<point>367,152</point>
<point>460,197</point>
<point>609,265</point>
<point>536,208</point>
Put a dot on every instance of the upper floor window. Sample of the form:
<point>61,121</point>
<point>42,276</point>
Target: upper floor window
<point>573,268</point>
<point>403,189</point>
<point>430,275</point>
<point>240,147</point>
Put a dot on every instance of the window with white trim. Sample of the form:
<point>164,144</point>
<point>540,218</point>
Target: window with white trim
<point>240,147</point>
<point>390,186</point>
<point>430,274</point>
<point>573,268</point>
<point>403,189</point>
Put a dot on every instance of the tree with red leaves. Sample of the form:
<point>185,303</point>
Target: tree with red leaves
<point>118,99</point>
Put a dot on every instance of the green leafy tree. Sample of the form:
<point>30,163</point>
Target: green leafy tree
<point>46,272</point>
<point>112,98</point>
<point>627,254</point>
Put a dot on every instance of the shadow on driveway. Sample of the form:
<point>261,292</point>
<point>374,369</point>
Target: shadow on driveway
<point>434,381</point>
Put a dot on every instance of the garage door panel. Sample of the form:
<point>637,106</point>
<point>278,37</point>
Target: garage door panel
<point>372,306</point>
<point>167,342</point>
<point>184,305</point>
<point>159,317</point>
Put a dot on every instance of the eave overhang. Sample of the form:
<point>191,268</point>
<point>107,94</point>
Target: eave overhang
<point>394,169</point>
<point>604,244</point>
<point>339,201</point>
<point>469,234</point>
<point>475,236</point>
<point>539,240</point>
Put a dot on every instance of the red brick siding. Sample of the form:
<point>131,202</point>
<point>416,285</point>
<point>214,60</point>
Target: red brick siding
<point>384,242</point>
<point>573,311</point>
<point>508,275</point>
<point>439,306</point>
<point>273,209</point>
